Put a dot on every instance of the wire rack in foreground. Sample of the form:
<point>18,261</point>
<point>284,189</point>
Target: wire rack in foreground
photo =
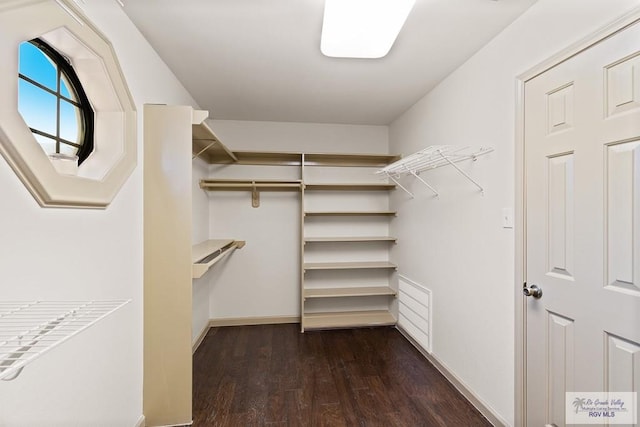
<point>28,329</point>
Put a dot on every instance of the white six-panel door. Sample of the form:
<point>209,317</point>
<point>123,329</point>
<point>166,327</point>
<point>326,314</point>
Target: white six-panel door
<point>582,186</point>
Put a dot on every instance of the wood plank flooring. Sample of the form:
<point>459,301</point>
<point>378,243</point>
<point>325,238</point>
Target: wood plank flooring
<point>272,375</point>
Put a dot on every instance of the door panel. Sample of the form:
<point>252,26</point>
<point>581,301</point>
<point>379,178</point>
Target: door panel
<point>623,365</point>
<point>560,339</point>
<point>560,216</point>
<point>582,165</point>
<point>623,86</point>
<point>623,208</point>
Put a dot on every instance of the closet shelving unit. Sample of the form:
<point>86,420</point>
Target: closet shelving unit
<point>329,299</point>
<point>337,293</point>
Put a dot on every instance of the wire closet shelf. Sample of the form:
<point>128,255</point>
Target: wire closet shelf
<point>432,157</point>
<point>28,329</point>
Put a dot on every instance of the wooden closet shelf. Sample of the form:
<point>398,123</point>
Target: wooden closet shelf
<point>348,265</point>
<point>349,239</point>
<point>249,185</point>
<point>204,255</point>
<point>268,158</point>
<point>284,158</point>
<point>347,319</point>
<point>350,187</point>
<point>351,213</point>
<point>357,291</point>
<point>349,160</point>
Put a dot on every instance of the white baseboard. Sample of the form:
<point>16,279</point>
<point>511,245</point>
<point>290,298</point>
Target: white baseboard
<point>250,321</point>
<point>198,341</point>
<point>141,423</point>
<point>190,423</point>
<point>480,405</point>
<point>241,321</point>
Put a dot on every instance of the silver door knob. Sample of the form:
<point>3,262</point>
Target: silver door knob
<point>532,291</point>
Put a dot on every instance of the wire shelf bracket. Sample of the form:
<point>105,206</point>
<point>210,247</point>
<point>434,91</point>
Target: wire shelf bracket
<point>29,329</point>
<point>433,157</point>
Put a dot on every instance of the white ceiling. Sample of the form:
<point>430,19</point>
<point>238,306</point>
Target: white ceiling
<point>261,59</point>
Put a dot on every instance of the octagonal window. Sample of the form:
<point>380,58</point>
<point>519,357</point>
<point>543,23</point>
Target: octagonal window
<point>73,102</point>
<point>52,101</point>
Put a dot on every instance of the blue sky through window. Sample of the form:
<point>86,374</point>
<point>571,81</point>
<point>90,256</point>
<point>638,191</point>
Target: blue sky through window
<point>37,66</point>
<point>39,108</point>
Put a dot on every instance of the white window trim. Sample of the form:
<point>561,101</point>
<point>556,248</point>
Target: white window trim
<point>113,159</point>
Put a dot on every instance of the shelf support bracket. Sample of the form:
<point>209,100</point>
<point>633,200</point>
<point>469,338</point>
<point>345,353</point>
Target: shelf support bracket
<point>195,156</point>
<point>461,171</point>
<point>425,183</point>
<point>255,196</point>
<point>400,185</point>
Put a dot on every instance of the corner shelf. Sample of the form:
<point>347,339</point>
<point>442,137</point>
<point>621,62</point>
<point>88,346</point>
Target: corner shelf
<point>29,329</point>
<point>347,319</point>
<point>206,254</point>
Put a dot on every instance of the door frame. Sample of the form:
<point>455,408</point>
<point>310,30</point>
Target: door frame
<point>520,392</point>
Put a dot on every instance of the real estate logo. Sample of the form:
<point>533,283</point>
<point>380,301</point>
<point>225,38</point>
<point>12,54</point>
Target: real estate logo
<point>601,408</point>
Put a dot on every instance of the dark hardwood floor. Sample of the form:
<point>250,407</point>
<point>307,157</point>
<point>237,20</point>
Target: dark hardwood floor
<point>273,375</point>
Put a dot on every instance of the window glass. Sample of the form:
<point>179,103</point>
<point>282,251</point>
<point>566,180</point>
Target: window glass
<point>68,149</point>
<point>34,64</point>
<point>52,102</point>
<point>47,144</point>
<point>64,88</point>
<point>37,107</point>
<point>69,121</point>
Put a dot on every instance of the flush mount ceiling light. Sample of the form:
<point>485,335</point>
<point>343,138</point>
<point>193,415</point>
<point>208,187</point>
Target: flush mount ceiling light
<point>362,28</point>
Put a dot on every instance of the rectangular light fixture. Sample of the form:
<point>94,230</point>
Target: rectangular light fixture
<point>362,28</point>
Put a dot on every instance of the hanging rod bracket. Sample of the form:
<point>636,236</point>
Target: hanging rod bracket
<point>255,196</point>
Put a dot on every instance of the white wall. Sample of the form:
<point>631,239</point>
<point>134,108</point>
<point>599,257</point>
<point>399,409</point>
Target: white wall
<point>456,245</point>
<point>263,278</point>
<point>54,254</point>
